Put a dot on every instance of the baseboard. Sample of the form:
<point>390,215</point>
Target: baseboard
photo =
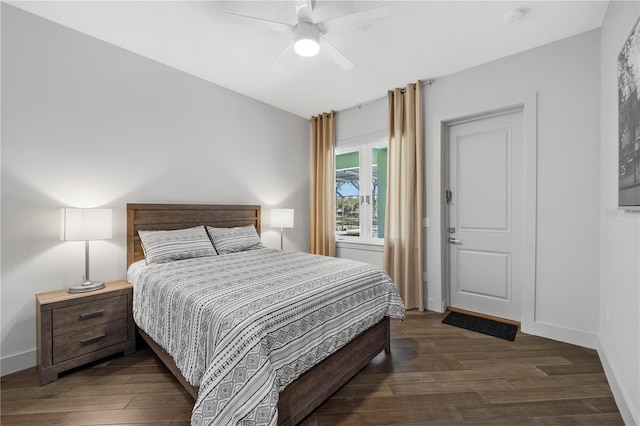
<point>562,334</point>
<point>18,362</point>
<point>435,305</point>
<point>629,417</point>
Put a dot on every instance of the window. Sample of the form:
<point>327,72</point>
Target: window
<point>361,190</point>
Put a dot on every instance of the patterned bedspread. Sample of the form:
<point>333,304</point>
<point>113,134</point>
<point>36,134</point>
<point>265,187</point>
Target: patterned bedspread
<point>243,326</point>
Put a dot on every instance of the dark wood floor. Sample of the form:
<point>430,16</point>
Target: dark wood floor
<point>437,374</point>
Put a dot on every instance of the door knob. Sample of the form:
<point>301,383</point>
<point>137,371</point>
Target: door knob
<point>454,241</point>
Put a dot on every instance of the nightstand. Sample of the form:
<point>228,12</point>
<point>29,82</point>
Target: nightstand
<point>76,328</point>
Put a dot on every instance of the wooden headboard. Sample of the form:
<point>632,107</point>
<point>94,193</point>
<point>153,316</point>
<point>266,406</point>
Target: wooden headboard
<point>158,217</point>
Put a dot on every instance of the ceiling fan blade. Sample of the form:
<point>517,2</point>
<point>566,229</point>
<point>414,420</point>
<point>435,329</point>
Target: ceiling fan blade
<point>354,20</point>
<point>335,54</point>
<point>258,23</point>
<point>282,59</point>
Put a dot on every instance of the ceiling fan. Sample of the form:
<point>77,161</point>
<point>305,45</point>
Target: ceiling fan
<point>308,36</point>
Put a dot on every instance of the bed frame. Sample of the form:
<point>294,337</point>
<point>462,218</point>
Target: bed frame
<point>312,388</point>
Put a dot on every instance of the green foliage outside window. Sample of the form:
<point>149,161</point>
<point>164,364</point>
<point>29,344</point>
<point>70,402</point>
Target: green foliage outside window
<point>350,198</point>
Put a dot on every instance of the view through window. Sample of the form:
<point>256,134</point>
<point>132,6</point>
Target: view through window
<point>361,188</point>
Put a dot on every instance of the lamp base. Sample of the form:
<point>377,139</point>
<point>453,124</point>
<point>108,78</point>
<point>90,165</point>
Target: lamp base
<point>86,286</point>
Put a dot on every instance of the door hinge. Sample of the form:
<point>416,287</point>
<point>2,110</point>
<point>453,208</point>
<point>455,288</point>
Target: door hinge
<point>449,196</point>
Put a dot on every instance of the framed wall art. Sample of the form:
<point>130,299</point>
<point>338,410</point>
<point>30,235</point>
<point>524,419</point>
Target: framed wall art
<point>629,121</point>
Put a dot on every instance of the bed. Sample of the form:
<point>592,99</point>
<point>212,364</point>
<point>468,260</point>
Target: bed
<point>309,389</point>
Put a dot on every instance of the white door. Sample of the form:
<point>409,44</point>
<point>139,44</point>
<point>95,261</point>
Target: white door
<point>486,209</point>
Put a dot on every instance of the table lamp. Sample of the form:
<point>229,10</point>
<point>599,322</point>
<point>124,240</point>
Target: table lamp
<point>282,218</point>
<point>86,225</point>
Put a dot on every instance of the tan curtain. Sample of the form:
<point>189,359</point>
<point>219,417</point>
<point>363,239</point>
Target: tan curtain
<point>403,243</point>
<point>323,239</point>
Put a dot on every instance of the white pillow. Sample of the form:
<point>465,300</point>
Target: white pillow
<point>232,240</point>
<point>167,246</point>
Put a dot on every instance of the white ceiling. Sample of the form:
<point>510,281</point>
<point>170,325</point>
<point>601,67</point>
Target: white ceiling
<point>420,40</point>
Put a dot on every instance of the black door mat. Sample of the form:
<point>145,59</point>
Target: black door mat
<point>482,325</point>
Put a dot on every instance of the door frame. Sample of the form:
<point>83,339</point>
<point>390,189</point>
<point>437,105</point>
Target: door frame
<point>527,103</point>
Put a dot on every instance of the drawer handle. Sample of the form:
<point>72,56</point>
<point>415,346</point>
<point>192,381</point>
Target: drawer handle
<point>92,314</point>
<point>93,339</point>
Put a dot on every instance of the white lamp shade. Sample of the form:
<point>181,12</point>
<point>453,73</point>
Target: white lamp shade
<point>86,224</point>
<point>282,218</point>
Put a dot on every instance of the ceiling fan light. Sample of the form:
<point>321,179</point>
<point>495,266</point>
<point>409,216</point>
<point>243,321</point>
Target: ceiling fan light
<point>306,39</point>
<point>306,47</point>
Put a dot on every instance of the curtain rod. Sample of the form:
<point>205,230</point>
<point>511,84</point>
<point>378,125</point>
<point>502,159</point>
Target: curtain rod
<point>360,105</point>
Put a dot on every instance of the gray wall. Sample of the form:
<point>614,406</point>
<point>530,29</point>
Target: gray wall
<point>87,124</point>
<point>566,76</point>
<point>619,337</point>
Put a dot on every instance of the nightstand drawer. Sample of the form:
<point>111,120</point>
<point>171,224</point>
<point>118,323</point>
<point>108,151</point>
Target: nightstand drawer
<point>71,345</point>
<point>89,314</point>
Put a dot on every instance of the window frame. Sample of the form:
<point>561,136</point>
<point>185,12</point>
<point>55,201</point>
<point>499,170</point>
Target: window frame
<point>366,187</point>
